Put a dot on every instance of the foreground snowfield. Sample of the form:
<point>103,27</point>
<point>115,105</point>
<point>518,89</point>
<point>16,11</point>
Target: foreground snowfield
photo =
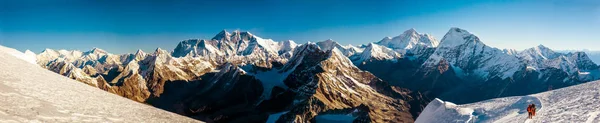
<point>29,93</point>
<point>575,104</point>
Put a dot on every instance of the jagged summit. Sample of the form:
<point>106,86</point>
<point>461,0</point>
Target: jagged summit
<point>139,51</point>
<point>160,51</point>
<point>409,41</point>
<point>330,44</point>
<point>539,52</point>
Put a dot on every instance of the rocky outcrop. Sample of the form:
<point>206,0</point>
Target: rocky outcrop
<point>322,82</point>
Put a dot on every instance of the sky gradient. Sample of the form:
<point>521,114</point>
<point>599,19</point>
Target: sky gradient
<point>127,25</point>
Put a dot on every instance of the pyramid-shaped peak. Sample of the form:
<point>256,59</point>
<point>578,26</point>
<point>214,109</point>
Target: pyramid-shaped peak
<point>457,36</point>
<point>29,52</point>
<point>97,50</point>
<point>410,31</point>
<point>222,35</point>
<point>542,47</point>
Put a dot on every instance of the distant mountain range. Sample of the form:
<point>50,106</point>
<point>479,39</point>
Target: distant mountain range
<point>594,55</point>
<point>240,77</point>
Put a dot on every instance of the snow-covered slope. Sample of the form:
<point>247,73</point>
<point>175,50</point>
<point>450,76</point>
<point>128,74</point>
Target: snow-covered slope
<point>28,56</point>
<point>32,94</point>
<point>575,104</point>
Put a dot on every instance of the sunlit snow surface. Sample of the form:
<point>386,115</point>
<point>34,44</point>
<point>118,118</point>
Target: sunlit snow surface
<point>575,104</point>
<point>29,93</point>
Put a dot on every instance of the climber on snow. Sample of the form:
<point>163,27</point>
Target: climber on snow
<point>531,110</point>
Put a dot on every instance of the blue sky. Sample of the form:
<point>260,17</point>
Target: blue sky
<point>122,26</point>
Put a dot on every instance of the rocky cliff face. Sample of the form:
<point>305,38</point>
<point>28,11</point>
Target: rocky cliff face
<point>326,82</point>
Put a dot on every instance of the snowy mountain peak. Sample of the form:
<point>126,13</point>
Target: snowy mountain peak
<point>329,40</point>
<point>287,45</point>
<point>543,48</point>
<point>327,44</point>
<point>510,51</point>
<point>28,52</point>
<point>289,42</point>
<point>48,50</point>
<point>465,52</point>
<point>374,51</point>
<point>330,45</point>
<point>409,41</point>
<point>238,35</point>
<point>246,33</point>
<point>540,52</point>
<point>410,31</point>
<point>160,51</point>
<point>139,51</point>
<point>96,50</point>
<point>386,39</point>
<point>457,36</point>
<point>222,35</point>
